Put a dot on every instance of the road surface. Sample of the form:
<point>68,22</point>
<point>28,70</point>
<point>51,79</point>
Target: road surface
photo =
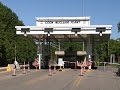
<point>68,79</point>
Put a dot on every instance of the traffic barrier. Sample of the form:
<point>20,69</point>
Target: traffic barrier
<point>75,66</point>
<point>118,72</point>
<point>84,70</point>
<point>24,68</point>
<point>2,69</point>
<point>28,66</point>
<point>14,71</point>
<point>36,64</point>
<point>104,66</point>
<point>81,71</point>
<point>54,70</point>
<point>89,65</point>
<point>50,72</point>
<point>36,68</point>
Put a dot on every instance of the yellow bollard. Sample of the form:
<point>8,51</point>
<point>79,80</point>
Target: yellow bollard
<point>8,68</point>
<point>60,68</point>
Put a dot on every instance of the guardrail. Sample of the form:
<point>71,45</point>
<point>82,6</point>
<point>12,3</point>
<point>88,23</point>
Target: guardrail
<point>27,65</point>
<point>108,63</point>
<point>114,63</point>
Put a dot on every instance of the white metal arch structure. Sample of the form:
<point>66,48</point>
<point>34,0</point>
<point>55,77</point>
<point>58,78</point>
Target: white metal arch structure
<point>62,27</point>
<point>67,28</point>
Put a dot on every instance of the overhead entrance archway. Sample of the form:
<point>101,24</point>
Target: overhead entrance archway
<point>63,29</point>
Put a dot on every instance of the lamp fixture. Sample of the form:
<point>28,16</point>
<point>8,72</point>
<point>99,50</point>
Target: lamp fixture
<point>48,30</point>
<point>100,33</point>
<point>76,30</point>
<point>25,30</point>
<point>25,34</point>
<point>100,30</point>
<point>75,33</point>
<point>48,33</point>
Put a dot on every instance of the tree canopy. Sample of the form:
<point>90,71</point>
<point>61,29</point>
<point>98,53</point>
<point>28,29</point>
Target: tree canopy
<point>105,49</point>
<point>11,45</point>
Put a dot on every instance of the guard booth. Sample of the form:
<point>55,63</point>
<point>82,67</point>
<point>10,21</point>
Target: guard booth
<point>61,29</point>
<point>71,58</point>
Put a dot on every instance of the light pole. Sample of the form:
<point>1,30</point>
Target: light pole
<point>48,30</point>
<point>25,30</point>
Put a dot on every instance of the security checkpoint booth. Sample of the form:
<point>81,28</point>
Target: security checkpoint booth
<point>62,29</point>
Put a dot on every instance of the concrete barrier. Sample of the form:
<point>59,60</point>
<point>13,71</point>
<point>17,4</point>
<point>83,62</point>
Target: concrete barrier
<point>3,69</point>
<point>10,67</point>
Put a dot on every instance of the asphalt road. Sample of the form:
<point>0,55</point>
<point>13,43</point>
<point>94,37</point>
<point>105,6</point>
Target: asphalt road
<point>68,79</point>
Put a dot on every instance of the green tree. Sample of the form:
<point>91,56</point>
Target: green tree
<point>25,46</point>
<point>74,46</point>
<point>26,49</point>
<point>104,51</point>
<point>115,47</point>
<point>65,46</point>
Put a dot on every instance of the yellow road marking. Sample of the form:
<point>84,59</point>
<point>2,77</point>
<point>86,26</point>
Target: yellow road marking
<point>78,79</point>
